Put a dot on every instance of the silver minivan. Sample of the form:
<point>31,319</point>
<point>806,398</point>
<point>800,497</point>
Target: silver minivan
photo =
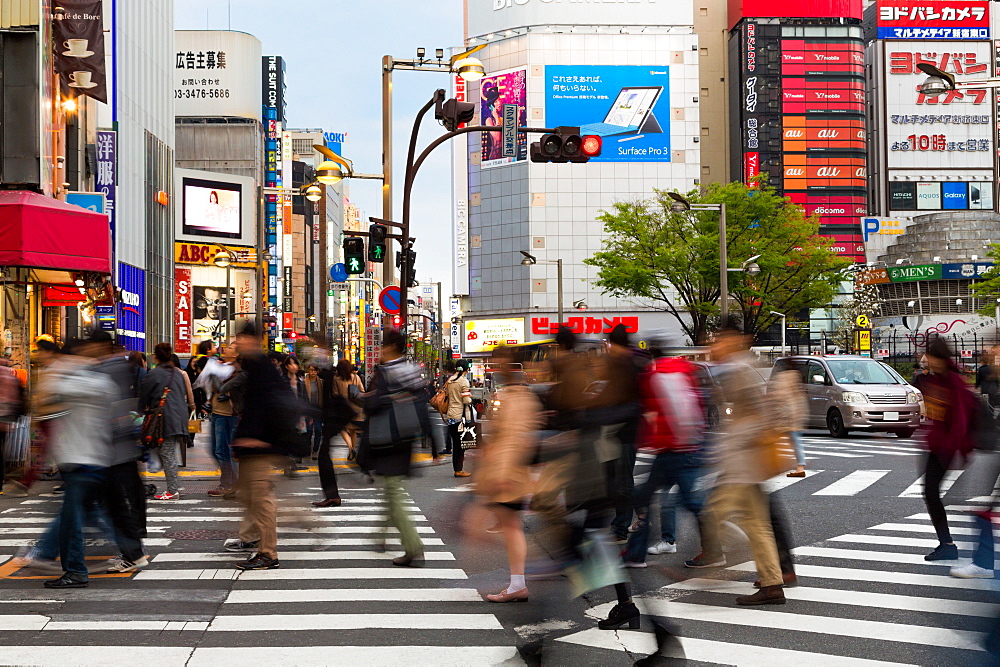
<point>851,393</point>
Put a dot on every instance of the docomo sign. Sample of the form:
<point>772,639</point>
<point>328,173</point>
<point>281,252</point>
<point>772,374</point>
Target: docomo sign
<point>486,335</point>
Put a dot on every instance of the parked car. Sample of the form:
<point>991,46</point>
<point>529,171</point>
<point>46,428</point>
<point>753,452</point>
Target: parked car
<point>852,393</point>
<point>713,389</point>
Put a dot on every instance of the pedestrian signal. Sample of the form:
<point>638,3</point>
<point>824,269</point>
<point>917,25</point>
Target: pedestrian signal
<point>354,255</point>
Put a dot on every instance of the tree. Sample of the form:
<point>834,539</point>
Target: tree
<point>865,301</point>
<point>672,258</point>
<point>988,285</point>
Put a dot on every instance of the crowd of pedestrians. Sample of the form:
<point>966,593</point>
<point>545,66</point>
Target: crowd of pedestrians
<point>560,440</point>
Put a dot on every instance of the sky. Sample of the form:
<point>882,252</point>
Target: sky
<point>333,53</point>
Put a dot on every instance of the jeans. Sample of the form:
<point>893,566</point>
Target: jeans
<point>984,552</point>
<point>934,470</point>
<point>800,452</point>
<point>625,482</point>
<point>314,427</point>
<point>669,468</point>
<point>457,453</point>
<point>223,430</point>
<point>125,502</point>
<point>82,488</point>
<point>47,546</point>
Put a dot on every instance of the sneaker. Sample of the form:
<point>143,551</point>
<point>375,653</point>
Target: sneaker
<point>32,560</point>
<point>635,564</point>
<point>662,547</point>
<point>166,495</point>
<point>943,552</point>
<point>971,571</point>
<point>218,491</point>
<point>636,525</point>
<point>258,562</point>
<point>237,545</point>
<point>119,564</point>
<point>705,560</point>
<point>229,495</point>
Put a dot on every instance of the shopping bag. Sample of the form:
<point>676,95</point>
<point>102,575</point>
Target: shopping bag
<point>772,452</point>
<point>194,424</point>
<point>599,567</point>
<point>467,429</point>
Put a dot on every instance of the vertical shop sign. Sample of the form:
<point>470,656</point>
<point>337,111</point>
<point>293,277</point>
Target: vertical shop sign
<point>131,307</point>
<point>107,171</point>
<point>182,308</point>
<point>78,48</point>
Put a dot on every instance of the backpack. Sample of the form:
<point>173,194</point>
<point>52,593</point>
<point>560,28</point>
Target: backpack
<point>674,416</point>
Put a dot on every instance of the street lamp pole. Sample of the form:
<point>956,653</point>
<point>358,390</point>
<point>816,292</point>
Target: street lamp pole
<point>783,329</point>
<point>723,265</point>
<point>559,282</point>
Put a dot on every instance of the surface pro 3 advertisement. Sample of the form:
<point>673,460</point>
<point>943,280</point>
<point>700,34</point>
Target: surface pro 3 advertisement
<point>628,106</point>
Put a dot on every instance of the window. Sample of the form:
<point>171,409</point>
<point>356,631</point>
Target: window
<point>815,370</point>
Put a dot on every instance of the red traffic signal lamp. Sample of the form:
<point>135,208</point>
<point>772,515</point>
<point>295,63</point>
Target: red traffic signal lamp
<point>396,321</point>
<point>566,145</point>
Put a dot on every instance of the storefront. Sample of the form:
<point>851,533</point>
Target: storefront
<point>55,270</point>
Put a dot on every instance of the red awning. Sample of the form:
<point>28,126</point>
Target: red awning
<point>41,232</point>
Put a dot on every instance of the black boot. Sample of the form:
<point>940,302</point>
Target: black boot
<point>766,595</point>
<point>622,613</point>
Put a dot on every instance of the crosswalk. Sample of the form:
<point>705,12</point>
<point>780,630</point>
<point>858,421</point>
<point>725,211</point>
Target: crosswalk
<point>191,607</point>
<point>863,594</point>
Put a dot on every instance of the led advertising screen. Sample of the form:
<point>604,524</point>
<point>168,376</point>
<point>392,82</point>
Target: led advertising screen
<point>947,195</point>
<point>486,335</point>
<point>212,208</point>
<point>627,106</point>
<point>495,91</point>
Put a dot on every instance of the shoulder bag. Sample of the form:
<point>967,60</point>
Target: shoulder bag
<point>154,423</point>
<point>467,428</point>
<point>396,423</point>
<point>439,401</point>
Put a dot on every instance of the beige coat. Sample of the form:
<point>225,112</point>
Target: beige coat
<point>752,417</point>
<point>503,471</point>
<point>459,395</point>
<point>789,401</point>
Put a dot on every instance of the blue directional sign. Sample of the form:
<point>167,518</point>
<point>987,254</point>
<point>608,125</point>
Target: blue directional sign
<point>338,272</point>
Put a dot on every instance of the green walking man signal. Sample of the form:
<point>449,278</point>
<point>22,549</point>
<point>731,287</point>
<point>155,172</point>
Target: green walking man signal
<point>354,255</point>
<point>376,242</point>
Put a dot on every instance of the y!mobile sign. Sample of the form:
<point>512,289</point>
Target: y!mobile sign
<point>941,19</point>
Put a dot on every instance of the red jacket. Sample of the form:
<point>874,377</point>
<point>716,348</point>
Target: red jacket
<point>674,418</point>
<point>950,408</point>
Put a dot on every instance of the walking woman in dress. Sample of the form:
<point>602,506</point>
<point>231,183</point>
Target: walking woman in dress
<point>459,393</point>
<point>348,385</point>
<point>503,475</point>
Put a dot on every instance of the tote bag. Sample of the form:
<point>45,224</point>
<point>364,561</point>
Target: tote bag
<point>396,423</point>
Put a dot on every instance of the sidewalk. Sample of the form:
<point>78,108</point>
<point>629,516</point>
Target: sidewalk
<point>201,465</point>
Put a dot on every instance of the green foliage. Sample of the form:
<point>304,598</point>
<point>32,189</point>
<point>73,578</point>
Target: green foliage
<point>672,258</point>
<point>988,285</point>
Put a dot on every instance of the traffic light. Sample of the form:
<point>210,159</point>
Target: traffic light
<point>454,113</point>
<point>270,321</point>
<point>396,321</point>
<point>566,145</point>
<point>376,243</point>
<point>354,255</point>
<point>411,268</point>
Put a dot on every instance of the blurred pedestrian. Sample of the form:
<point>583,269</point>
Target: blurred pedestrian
<point>169,384</point>
<point>673,427</point>
<point>81,446</point>
<point>264,439</point>
<point>313,385</point>
<point>746,428</point>
<point>224,417</point>
<point>988,377</point>
<point>46,353</point>
<point>123,494</point>
<point>459,393</point>
<point>347,385</point>
<point>950,407</point>
<point>387,445</point>
<point>503,473</point>
<point>196,365</point>
<point>137,369</point>
<point>291,372</point>
<point>786,390</point>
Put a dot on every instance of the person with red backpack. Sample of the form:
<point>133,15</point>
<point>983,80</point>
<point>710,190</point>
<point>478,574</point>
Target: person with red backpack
<point>673,427</point>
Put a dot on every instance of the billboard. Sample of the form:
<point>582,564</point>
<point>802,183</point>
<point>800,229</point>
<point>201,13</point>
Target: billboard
<point>78,49</point>
<point>804,171</point>
<point>947,195</point>
<point>495,16</point>
<point>131,307</point>
<point>182,310</point>
<point>792,9</point>
<point>215,207</point>
<point>942,132</point>
<point>215,73</point>
<point>495,91</point>
<point>802,134</point>
<point>825,94</point>
<point>800,57</point>
<point>485,335</point>
<point>627,105</point>
<point>941,19</point>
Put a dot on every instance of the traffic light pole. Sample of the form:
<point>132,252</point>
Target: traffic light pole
<point>412,166</point>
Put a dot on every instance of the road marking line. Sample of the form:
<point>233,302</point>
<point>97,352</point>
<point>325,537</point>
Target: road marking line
<point>308,595</point>
<point>59,656</point>
<point>916,490</point>
<point>878,576</point>
<point>105,625</point>
<point>10,622</point>
<point>783,481</point>
<point>351,530</point>
<point>322,656</point>
<point>175,557</point>
<point>827,625</point>
<point>875,556</point>
<point>920,528</point>
<point>301,574</point>
<point>305,518</point>
<point>810,450</point>
<point>892,540</point>
<point>368,507</point>
<point>961,518</point>
<point>715,652</point>
<point>354,621</point>
<point>856,598</point>
<point>852,484</point>
<point>335,542</point>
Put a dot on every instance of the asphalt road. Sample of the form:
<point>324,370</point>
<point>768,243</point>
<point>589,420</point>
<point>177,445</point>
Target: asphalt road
<point>866,595</point>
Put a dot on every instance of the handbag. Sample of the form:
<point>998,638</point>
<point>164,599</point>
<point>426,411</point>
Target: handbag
<point>194,424</point>
<point>467,429</point>
<point>439,401</point>
<point>773,447</point>
<point>154,424</point>
<point>398,422</point>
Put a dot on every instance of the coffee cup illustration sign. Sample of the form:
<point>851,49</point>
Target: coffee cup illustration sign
<point>81,79</point>
<point>77,48</point>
